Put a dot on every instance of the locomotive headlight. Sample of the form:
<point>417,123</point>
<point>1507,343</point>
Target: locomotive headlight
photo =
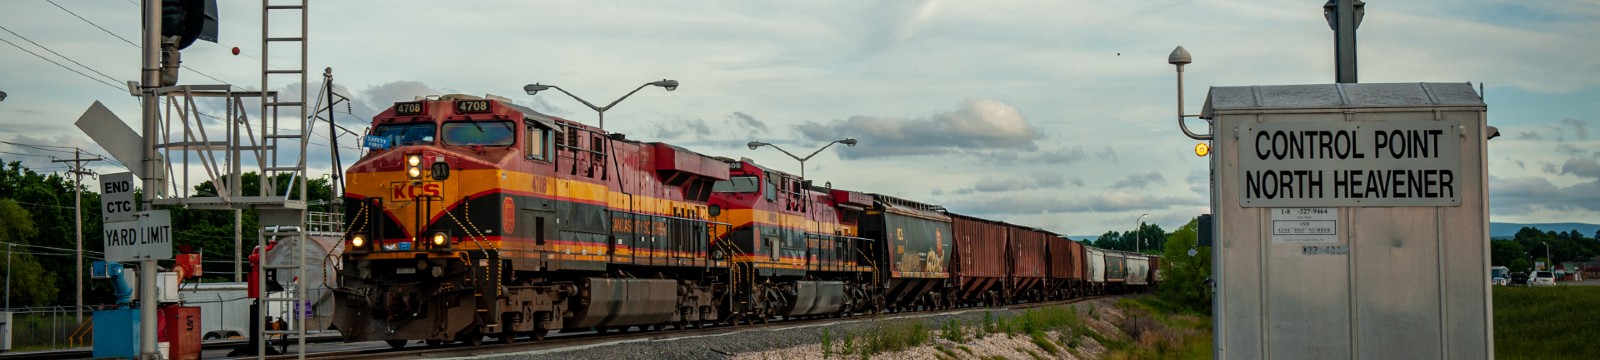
<point>439,238</point>
<point>358,241</point>
<point>414,166</point>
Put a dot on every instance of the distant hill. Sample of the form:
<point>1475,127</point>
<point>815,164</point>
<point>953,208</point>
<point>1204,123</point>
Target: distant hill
<point>1497,230</point>
<point>1507,230</point>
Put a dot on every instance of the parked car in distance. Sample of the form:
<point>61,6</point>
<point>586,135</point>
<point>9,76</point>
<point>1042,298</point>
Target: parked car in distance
<point>1499,281</point>
<point>1542,278</point>
<point>1518,278</point>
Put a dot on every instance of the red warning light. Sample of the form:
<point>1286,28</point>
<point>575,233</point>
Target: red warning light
<point>236,50</point>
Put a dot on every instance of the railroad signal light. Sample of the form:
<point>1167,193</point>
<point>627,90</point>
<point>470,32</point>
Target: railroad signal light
<point>1202,149</point>
<point>189,20</point>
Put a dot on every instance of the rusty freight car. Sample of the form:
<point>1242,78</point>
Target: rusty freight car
<point>1025,255</point>
<point>1067,267</point>
<point>978,270</point>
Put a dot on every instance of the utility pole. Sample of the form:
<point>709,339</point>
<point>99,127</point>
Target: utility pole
<point>154,177</point>
<point>77,223</point>
<point>1344,16</point>
<point>238,243</point>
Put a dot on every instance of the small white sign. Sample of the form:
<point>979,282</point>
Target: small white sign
<point>116,197</point>
<point>149,237</point>
<point>1305,225</point>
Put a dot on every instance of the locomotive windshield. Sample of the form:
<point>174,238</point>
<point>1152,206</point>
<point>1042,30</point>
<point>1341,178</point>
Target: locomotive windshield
<point>487,133</point>
<point>406,134</point>
<point>738,184</point>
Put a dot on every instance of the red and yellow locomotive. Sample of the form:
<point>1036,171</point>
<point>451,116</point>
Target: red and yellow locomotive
<point>483,218</point>
<point>794,248</point>
<point>487,218</point>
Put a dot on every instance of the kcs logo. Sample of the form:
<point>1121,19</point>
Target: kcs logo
<point>407,191</point>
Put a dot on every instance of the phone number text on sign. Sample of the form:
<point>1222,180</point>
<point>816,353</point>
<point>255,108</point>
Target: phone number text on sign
<point>1305,225</point>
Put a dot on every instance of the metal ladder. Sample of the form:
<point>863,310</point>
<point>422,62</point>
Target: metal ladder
<point>288,222</point>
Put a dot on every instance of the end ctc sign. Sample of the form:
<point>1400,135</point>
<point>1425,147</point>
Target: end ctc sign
<point>116,197</point>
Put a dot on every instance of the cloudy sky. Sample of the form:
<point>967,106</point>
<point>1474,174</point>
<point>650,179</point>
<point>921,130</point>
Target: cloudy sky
<point>1057,114</point>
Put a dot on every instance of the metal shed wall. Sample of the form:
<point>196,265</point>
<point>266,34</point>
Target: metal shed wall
<point>1410,285</point>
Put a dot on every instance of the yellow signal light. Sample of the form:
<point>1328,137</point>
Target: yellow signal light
<point>1202,149</point>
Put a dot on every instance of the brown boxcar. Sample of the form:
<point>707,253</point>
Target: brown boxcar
<point>1066,267</point>
<point>1155,271</point>
<point>978,271</point>
<point>1026,254</point>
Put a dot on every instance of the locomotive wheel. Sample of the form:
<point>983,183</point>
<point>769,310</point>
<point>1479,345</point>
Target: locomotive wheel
<point>539,333</point>
<point>396,344</point>
<point>473,338</point>
<point>508,337</point>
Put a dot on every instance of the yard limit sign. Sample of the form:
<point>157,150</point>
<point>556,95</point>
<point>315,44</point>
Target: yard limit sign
<point>132,235</point>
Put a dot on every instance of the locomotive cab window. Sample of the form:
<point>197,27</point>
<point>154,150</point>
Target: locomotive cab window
<point>537,143</point>
<point>406,133</point>
<point>485,133</point>
<point>772,190</point>
<point>738,184</point>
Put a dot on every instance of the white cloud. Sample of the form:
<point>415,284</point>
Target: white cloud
<point>1062,102</point>
<point>979,124</point>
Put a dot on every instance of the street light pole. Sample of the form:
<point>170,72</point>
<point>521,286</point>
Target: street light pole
<point>535,88</point>
<point>1549,264</point>
<point>846,141</point>
<point>1138,234</point>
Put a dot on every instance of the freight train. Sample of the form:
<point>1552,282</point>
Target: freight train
<point>477,217</point>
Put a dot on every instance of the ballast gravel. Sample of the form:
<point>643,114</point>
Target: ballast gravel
<point>800,340</point>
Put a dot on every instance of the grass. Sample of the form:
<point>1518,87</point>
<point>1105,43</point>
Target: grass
<point>1546,322</point>
<point>881,338</point>
<point>1149,329</point>
<point>1158,331</point>
<point>827,343</point>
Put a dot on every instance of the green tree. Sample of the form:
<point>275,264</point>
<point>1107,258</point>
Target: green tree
<point>1503,252</point>
<point>211,231</point>
<point>1109,240</point>
<point>1152,236</point>
<point>31,284</point>
<point>47,200</point>
<point>1520,265</point>
<point>1184,276</point>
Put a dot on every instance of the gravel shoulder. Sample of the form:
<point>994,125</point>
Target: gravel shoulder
<point>803,341</point>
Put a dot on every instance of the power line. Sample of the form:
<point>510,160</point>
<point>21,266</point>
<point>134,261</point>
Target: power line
<point>40,147</point>
<point>21,154</point>
<point>58,6</point>
<point>24,38</point>
<point>44,205</point>
<point>59,64</point>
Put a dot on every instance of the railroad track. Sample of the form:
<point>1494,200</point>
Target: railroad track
<point>557,340</point>
<point>553,341</point>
